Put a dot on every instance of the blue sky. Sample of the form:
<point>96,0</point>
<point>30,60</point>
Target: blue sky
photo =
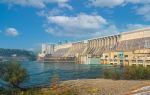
<point>25,24</point>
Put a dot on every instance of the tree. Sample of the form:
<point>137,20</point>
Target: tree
<point>13,74</point>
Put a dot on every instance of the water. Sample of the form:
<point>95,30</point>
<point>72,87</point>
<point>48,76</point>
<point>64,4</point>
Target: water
<point>42,73</point>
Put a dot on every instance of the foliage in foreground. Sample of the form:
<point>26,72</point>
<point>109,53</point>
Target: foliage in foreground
<point>128,73</point>
<point>13,74</point>
<point>54,89</point>
<point>41,91</point>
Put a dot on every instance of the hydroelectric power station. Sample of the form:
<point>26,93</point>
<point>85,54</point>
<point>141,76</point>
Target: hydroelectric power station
<point>127,48</point>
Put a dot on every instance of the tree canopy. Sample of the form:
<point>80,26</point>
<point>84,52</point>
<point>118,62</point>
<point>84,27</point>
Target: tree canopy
<point>13,74</point>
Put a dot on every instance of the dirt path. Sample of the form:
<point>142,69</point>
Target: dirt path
<point>106,87</point>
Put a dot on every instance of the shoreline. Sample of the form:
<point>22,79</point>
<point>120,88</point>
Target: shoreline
<point>105,86</point>
<point>97,86</point>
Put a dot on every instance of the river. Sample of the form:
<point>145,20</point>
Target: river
<point>40,74</point>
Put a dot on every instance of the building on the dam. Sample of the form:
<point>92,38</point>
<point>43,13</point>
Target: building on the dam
<point>47,49</point>
<point>127,48</point>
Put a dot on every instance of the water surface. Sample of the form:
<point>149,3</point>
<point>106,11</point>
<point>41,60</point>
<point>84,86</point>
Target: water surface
<point>42,73</point>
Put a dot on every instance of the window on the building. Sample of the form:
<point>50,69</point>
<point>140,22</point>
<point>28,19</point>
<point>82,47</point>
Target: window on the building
<point>120,54</point>
<point>133,61</point>
<point>147,61</point>
<point>140,61</point>
<point>115,60</point>
<point>115,56</point>
<point>111,63</point>
<point>106,56</point>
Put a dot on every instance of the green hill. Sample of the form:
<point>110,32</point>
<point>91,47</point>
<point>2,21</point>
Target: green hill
<point>17,53</point>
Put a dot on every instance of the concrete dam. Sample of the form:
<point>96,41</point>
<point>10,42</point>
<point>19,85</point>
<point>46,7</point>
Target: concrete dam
<point>127,48</point>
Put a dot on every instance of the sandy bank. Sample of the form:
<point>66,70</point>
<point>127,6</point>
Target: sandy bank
<point>106,86</point>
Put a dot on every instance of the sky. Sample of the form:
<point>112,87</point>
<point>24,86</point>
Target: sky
<point>26,24</point>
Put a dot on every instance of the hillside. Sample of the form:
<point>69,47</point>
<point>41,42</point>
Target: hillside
<point>17,53</point>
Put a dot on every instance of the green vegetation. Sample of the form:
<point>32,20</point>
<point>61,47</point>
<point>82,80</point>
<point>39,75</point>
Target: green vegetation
<point>112,73</point>
<point>20,53</point>
<point>13,74</point>
<point>128,73</point>
<point>41,91</point>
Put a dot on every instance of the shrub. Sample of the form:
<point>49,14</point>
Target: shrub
<point>116,75</point>
<point>107,73</point>
<point>112,73</point>
<point>55,81</point>
<point>136,72</point>
<point>13,74</point>
<point>129,73</point>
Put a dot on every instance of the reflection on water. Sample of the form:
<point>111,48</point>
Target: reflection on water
<point>41,73</point>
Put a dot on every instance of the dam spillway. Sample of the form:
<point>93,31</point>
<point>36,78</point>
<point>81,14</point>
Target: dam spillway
<point>127,48</point>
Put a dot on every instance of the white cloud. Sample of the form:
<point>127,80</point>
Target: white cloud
<point>144,11</point>
<point>106,30</point>
<point>33,3</point>
<point>114,3</point>
<point>82,25</point>
<point>106,3</point>
<point>142,6</point>
<point>138,1</point>
<point>12,32</point>
<point>59,1</point>
<point>50,12</point>
<point>79,21</point>
<point>65,5</point>
<point>136,26</point>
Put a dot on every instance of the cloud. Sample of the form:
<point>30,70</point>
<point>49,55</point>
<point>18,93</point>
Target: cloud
<point>11,32</point>
<point>81,25</point>
<point>133,26</point>
<point>79,21</point>
<point>144,11</point>
<point>142,6</point>
<point>106,3</point>
<point>136,26</point>
<point>50,12</point>
<point>33,3</point>
<point>65,5</point>
<point>137,1</point>
<point>114,3</point>
<point>106,30</point>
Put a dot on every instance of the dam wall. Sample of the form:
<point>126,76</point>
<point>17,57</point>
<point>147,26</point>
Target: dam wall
<point>127,48</point>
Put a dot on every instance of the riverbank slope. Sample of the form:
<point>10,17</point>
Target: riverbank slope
<point>106,86</point>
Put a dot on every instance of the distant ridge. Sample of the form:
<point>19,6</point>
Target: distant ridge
<point>17,53</point>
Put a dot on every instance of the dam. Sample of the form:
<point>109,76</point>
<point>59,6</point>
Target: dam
<point>126,48</point>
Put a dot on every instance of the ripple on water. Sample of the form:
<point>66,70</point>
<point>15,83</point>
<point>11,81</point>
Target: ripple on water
<point>42,73</point>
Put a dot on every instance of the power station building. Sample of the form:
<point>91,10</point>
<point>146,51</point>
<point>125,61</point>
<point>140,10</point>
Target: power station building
<point>127,48</point>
